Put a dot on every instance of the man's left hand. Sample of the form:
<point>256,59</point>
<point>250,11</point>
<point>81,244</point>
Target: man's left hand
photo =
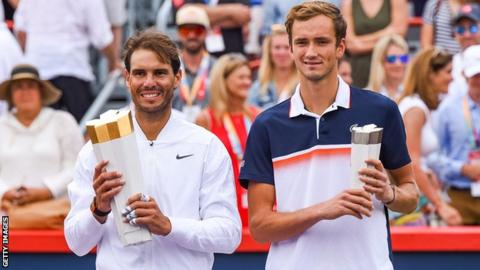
<point>143,210</point>
<point>376,180</point>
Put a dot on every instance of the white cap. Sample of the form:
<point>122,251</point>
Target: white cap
<point>471,61</point>
<point>189,14</point>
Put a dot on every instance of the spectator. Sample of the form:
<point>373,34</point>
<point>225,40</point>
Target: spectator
<point>437,25</point>
<point>193,94</point>
<point>389,60</point>
<point>229,116</point>
<point>367,26</point>
<point>69,26</point>
<point>227,20</point>
<point>465,25</point>
<point>277,76</point>
<point>458,127</point>
<point>10,55</point>
<point>116,11</point>
<point>345,70</point>
<point>428,76</point>
<point>38,145</point>
<point>165,19</point>
<point>275,12</point>
<point>252,45</point>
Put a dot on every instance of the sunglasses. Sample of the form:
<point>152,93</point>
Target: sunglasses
<point>473,29</point>
<point>393,58</point>
<point>186,30</point>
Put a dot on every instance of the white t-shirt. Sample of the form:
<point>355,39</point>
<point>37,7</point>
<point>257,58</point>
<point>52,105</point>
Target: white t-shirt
<point>429,139</point>
<point>41,155</point>
<point>59,33</point>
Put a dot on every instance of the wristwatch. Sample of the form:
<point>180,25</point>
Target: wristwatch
<point>96,211</point>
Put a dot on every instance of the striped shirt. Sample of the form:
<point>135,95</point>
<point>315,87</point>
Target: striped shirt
<point>440,16</point>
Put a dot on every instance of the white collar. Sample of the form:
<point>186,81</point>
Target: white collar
<point>342,99</point>
<point>165,134</point>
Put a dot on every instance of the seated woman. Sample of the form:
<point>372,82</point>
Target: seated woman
<point>389,61</point>
<point>228,115</point>
<point>427,77</point>
<point>277,75</point>
<point>38,145</point>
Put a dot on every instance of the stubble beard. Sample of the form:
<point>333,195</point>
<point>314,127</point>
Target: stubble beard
<point>159,110</point>
<point>318,77</point>
<point>194,50</point>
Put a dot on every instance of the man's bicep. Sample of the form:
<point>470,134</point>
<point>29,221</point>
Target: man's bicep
<point>261,198</point>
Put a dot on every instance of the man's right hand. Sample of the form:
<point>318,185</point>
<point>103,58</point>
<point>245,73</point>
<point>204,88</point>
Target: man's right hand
<point>106,186</point>
<point>354,202</point>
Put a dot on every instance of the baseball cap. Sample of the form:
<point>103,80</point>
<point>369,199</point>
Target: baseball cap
<point>471,61</point>
<point>189,14</point>
<point>468,11</point>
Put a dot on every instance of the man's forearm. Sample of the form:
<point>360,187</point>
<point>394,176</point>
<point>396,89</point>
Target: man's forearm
<point>109,53</point>
<point>274,226</point>
<point>214,234</point>
<point>406,198</point>
<point>228,15</point>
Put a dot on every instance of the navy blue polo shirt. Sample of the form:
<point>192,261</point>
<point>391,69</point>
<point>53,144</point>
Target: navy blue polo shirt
<point>307,158</point>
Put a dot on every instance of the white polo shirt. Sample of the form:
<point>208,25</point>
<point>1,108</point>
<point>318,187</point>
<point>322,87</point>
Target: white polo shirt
<point>59,33</point>
<point>197,194</point>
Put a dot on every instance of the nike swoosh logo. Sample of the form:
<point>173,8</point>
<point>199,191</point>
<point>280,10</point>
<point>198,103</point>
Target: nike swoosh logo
<point>182,157</point>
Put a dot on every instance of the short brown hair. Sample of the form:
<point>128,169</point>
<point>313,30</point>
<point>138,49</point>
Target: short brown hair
<point>156,42</point>
<point>308,10</point>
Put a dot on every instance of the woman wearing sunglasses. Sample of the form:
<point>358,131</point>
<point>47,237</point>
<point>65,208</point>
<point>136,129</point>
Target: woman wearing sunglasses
<point>427,78</point>
<point>389,61</point>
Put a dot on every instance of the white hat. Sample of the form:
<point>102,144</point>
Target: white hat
<point>471,61</point>
<point>189,14</point>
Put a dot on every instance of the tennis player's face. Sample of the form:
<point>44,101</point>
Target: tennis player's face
<point>151,82</point>
<point>314,48</point>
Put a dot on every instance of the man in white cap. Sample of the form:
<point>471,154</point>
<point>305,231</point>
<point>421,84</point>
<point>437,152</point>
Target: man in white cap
<point>458,130</point>
<point>465,28</point>
<point>193,26</point>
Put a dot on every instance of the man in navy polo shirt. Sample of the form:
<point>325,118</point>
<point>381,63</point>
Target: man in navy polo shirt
<point>298,156</point>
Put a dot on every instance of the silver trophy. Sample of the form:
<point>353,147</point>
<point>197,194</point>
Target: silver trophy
<point>366,143</point>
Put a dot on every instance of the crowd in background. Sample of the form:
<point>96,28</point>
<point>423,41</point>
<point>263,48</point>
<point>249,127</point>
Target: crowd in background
<point>236,62</point>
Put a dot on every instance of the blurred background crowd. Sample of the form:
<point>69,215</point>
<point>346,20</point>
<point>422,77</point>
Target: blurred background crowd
<point>60,65</point>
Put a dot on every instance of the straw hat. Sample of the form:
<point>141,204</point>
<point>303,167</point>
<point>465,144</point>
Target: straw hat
<point>50,94</point>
